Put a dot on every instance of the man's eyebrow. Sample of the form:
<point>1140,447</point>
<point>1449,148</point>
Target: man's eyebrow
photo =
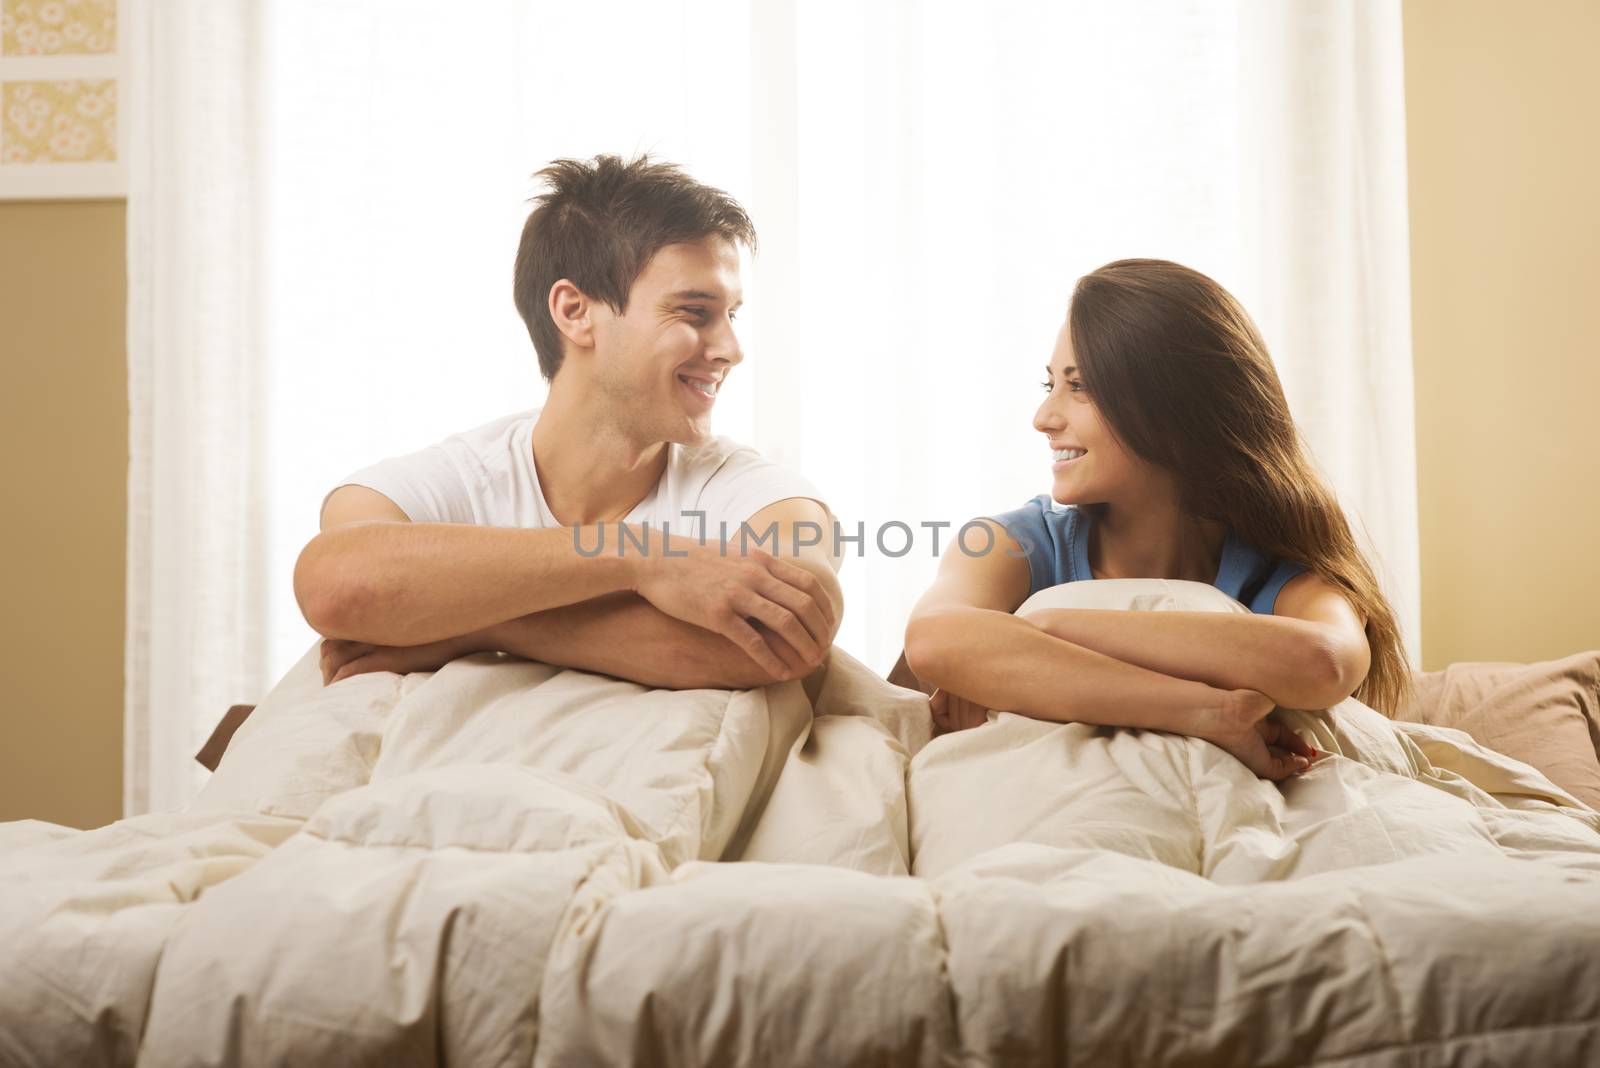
<point>700,294</point>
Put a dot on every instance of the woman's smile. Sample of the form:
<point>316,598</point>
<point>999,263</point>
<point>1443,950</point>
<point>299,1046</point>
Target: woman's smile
<point>1064,458</point>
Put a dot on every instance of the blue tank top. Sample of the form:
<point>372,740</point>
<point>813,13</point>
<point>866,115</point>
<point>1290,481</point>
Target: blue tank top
<point>1056,541</point>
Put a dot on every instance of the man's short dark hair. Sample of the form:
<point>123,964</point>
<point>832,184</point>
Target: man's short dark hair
<point>599,223</point>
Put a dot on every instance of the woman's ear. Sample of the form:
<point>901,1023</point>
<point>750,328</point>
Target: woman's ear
<point>570,308</point>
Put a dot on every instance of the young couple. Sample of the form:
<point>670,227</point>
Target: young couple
<point>1171,442</point>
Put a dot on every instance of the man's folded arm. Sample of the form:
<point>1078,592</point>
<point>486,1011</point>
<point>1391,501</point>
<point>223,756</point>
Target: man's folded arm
<point>625,636</point>
<point>372,576</point>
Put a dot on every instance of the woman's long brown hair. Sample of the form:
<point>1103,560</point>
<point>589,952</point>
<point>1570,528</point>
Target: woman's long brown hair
<point>1181,373</point>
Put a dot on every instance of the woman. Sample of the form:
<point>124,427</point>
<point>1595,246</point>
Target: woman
<point>1173,444</point>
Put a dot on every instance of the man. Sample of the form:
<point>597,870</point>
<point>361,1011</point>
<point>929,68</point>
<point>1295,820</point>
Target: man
<point>627,277</point>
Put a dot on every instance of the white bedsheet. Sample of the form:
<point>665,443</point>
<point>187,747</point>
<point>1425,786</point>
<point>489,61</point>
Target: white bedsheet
<point>503,863</point>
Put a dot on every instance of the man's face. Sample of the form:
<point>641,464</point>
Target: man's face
<point>663,361</point>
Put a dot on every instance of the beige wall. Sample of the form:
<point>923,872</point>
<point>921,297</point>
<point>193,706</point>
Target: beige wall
<point>63,473</point>
<point>1502,103</point>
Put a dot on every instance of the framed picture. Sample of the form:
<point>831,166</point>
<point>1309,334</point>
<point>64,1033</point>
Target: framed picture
<point>62,75</point>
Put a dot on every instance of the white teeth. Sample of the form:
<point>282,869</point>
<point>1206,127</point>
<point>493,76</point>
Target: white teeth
<point>1067,454</point>
<point>708,388</point>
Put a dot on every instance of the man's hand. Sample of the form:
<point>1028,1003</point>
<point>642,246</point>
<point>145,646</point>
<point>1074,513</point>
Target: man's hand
<point>341,659</point>
<point>746,595</point>
<point>952,713</point>
<point>1242,727</point>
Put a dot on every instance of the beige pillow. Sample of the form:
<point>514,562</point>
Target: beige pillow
<point>1545,714</point>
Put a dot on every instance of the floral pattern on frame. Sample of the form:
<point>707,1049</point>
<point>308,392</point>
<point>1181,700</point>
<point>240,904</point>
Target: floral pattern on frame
<point>58,122</point>
<point>57,27</point>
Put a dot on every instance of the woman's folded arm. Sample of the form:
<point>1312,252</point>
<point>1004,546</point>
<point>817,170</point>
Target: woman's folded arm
<point>997,660</point>
<point>1296,662</point>
<point>963,637</point>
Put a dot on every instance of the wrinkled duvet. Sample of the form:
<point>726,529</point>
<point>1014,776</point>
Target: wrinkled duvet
<point>505,863</point>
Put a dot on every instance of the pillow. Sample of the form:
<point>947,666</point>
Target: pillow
<point>1545,714</point>
<point>1135,595</point>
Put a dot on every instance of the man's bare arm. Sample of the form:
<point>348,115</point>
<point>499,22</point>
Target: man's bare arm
<point>409,584</point>
<point>794,604</point>
<point>623,635</point>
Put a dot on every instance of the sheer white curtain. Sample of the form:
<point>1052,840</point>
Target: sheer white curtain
<point>325,201</point>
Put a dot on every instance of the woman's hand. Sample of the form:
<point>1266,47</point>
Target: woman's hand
<point>1241,727</point>
<point>952,713</point>
<point>341,659</point>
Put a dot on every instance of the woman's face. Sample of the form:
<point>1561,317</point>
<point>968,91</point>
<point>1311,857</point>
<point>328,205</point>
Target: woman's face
<point>1089,464</point>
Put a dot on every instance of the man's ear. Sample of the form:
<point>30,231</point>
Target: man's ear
<point>570,308</point>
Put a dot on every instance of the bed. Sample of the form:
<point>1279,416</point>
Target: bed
<point>502,862</point>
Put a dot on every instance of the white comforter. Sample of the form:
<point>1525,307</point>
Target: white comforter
<point>503,863</point>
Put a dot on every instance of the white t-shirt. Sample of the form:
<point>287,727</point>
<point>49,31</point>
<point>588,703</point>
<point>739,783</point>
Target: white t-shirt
<point>487,477</point>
